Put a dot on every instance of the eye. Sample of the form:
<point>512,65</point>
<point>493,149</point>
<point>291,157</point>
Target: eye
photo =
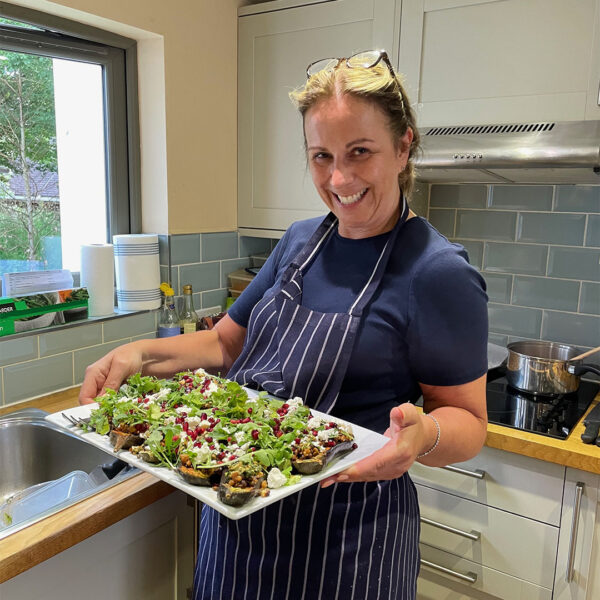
<point>320,156</point>
<point>360,151</point>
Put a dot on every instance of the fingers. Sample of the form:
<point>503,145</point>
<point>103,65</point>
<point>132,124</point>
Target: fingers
<point>389,462</point>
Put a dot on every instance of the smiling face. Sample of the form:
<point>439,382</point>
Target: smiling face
<point>355,164</point>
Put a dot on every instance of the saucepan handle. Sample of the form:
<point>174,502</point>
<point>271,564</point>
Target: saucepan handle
<point>581,369</point>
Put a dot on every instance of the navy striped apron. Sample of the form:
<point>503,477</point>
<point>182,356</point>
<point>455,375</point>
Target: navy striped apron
<point>357,540</point>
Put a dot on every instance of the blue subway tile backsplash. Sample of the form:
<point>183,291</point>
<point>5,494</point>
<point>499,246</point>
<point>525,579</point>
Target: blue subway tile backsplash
<point>543,282</point>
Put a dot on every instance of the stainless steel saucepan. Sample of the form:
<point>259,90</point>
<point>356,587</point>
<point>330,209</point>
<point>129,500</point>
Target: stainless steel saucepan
<point>546,368</point>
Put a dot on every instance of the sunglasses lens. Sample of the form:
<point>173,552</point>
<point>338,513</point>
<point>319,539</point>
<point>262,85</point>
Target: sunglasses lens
<point>364,59</point>
<point>325,64</point>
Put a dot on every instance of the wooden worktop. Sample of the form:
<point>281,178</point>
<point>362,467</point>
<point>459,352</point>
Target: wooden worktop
<point>40,541</point>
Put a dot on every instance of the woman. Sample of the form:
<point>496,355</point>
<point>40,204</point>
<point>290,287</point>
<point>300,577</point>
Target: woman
<point>358,313</point>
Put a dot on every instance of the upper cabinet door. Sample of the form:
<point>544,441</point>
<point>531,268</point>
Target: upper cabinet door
<point>495,61</point>
<point>274,185</point>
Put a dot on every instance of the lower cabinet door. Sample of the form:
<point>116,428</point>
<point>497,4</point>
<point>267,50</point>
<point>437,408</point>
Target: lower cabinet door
<point>497,539</point>
<point>574,566</point>
<point>146,556</point>
<point>444,576</point>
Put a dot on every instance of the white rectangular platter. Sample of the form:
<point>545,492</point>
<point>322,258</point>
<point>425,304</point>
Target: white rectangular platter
<point>367,441</point>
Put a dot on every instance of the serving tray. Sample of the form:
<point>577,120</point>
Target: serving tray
<point>367,441</point>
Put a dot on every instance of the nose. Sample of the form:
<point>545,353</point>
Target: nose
<point>341,175</point>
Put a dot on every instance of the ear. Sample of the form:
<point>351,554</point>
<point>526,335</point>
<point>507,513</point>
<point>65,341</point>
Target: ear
<point>404,148</point>
<point>406,141</point>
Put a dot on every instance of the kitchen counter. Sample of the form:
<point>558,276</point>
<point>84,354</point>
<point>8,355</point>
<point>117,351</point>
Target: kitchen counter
<point>40,541</point>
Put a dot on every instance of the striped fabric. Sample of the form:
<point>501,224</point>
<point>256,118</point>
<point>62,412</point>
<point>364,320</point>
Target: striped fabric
<point>353,541</point>
<point>348,541</point>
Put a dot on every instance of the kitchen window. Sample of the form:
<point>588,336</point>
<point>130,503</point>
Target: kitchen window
<point>69,141</point>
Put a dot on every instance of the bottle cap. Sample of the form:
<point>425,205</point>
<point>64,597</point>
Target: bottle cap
<point>187,289</point>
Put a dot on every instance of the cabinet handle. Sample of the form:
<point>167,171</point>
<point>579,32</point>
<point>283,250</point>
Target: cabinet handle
<point>471,535</point>
<point>468,577</point>
<point>574,526</point>
<point>478,474</point>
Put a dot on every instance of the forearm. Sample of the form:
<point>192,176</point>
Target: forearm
<point>462,416</point>
<point>166,356</point>
<point>462,435</point>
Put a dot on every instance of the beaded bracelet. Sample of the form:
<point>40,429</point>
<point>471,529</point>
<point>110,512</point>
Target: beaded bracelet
<point>437,439</point>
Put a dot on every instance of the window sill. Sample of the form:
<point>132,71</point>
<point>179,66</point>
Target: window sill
<point>116,315</point>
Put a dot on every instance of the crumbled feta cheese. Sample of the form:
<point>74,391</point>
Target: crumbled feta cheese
<point>212,387</point>
<point>152,398</point>
<point>251,401</point>
<point>170,420</point>
<point>182,409</point>
<point>314,422</point>
<point>326,434</point>
<point>194,422</point>
<point>266,413</point>
<point>347,427</point>
<point>200,372</point>
<point>239,436</point>
<point>203,453</point>
<point>275,478</point>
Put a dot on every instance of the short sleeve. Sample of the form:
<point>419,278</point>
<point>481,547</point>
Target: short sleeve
<point>448,327</point>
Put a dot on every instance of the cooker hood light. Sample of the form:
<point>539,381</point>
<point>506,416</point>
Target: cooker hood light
<point>567,152</point>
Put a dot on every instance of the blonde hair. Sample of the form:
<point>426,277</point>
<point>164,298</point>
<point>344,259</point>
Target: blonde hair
<point>375,84</point>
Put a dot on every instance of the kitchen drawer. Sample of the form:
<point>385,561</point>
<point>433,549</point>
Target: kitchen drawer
<point>519,484</point>
<point>508,543</point>
<point>490,584</point>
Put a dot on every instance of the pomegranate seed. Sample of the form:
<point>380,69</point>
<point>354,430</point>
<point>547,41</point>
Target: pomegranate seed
<point>204,416</point>
<point>297,440</point>
<point>193,435</point>
<point>315,432</point>
<point>175,438</point>
<point>285,406</point>
<point>232,457</point>
<point>279,433</point>
<point>354,446</point>
<point>208,439</point>
<point>250,411</point>
<point>186,426</point>
<point>212,446</point>
<point>230,439</point>
<point>255,434</point>
<point>139,400</point>
<point>211,420</point>
<point>246,420</point>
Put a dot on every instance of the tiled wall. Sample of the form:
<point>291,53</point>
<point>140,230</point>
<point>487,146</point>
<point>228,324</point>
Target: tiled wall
<point>41,363</point>
<point>36,364</point>
<point>538,248</point>
<point>204,260</point>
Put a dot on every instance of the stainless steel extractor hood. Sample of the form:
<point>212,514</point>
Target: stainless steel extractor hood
<point>567,152</point>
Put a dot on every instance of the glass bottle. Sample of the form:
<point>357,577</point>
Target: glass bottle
<point>188,320</point>
<point>168,319</point>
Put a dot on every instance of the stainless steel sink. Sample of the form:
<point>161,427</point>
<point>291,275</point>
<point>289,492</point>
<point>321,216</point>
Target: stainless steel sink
<point>33,451</point>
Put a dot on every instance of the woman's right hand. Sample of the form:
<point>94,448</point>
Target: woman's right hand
<point>110,372</point>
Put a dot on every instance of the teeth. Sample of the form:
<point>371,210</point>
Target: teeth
<point>352,199</point>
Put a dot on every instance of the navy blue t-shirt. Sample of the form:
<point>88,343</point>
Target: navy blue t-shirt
<point>427,322</point>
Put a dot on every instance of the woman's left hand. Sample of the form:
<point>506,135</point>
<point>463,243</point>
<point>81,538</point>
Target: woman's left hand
<point>407,435</point>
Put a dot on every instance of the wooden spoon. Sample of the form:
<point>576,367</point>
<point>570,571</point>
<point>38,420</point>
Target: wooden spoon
<point>584,354</point>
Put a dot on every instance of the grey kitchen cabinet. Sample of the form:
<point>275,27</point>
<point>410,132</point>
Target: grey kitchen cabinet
<point>276,44</point>
<point>498,61</point>
<point>148,554</point>
<point>501,526</point>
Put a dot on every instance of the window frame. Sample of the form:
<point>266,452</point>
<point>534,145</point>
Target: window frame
<point>67,39</point>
